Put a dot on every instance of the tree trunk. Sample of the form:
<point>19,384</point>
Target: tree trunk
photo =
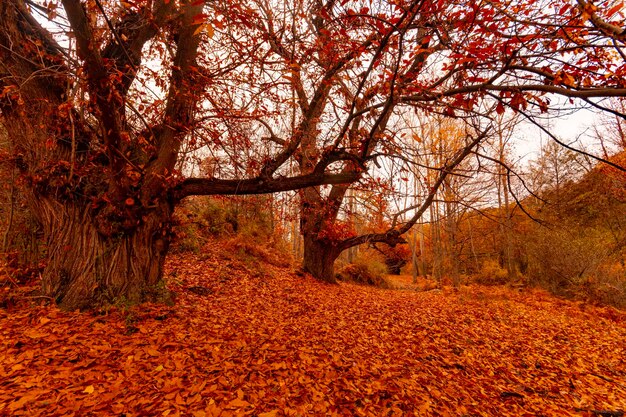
<point>503,197</point>
<point>319,259</point>
<point>422,258</point>
<point>415,268</point>
<point>86,269</point>
<point>451,232</point>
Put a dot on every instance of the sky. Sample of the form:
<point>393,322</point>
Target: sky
<point>575,129</point>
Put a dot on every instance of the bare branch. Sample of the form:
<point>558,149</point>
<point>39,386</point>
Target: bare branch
<point>212,186</point>
<point>392,236</point>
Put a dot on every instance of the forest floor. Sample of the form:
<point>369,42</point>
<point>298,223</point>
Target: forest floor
<point>249,337</point>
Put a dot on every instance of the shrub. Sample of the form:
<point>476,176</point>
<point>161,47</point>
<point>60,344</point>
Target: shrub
<point>562,261</point>
<point>202,218</point>
<point>584,265</point>
<point>187,238</point>
<point>366,269</point>
<point>244,248</point>
<point>395,257</point>
<point>607,286</point>
<point>491,273</point>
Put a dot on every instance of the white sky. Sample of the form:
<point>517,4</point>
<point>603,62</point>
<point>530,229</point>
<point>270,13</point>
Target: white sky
<point>575,129</point>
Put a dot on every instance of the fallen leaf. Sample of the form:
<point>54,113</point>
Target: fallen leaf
<point>238,403</point>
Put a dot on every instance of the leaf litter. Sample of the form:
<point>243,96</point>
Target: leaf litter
<point>250,338</point>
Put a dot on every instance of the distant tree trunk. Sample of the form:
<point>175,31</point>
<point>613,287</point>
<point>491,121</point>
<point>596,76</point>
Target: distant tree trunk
<point>319,259</point>
<point>422,250</point>
<point>471,236</point>
<point>351,252</point>
<point>414,257</point>
<point>86,268</point>
<point>436,243</point>
<point>295,239</point>
<point>508,227</point>
<point>12,197</point>
<point>503,206</point>
<point>451,232</point>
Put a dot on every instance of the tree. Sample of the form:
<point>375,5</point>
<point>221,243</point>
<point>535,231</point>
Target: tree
<point>374,64</point>
<point>503,178</point>
<point>99,154</point>
<point>553,170</point>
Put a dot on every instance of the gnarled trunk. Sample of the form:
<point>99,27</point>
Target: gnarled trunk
<point>86,269</point>
<point>319,259</point>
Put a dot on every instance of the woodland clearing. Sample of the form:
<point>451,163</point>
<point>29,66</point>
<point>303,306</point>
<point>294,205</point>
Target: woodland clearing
<point>250,337</point>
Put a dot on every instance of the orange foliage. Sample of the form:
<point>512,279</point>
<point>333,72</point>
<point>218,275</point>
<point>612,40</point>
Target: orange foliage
<point>616,178</point>
<point>339,230</point>
<point>237,344</point>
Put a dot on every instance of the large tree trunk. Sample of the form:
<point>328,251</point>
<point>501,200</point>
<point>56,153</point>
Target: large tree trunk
<point>319,259</point>
<point>86,269</point>
<point>97,252</point>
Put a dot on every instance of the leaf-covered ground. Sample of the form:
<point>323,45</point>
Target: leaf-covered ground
<point>254,339</point>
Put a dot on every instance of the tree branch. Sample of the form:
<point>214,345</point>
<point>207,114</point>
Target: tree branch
<point>101,92</point>
<point>605,27</point>
<point>563,91</point>
<point>19,62</point>
<point>213,186</point>
<point>130,35</point>
<point>393,235</point>
<point>180,102</point>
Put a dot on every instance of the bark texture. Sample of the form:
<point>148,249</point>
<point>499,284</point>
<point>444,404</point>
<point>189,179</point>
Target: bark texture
<point>85,269</point>
<point>319,259</point>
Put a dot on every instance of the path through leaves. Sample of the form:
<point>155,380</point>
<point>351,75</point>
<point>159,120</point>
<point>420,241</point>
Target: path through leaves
<point>250,338</point>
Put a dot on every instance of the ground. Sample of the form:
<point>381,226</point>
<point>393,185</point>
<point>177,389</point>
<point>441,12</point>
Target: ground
<point>251,337</point>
